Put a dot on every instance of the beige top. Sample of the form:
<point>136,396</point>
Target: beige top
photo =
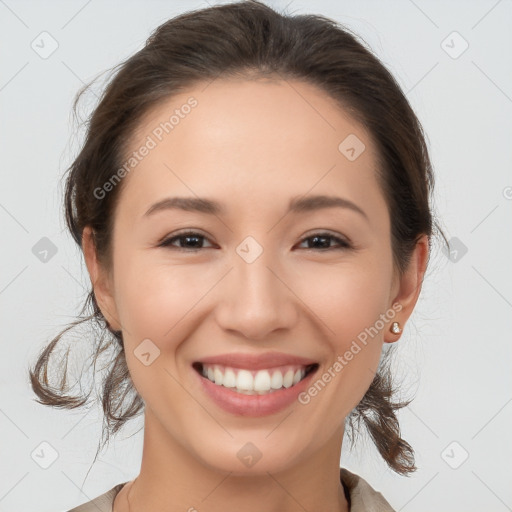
<point>360,496</point>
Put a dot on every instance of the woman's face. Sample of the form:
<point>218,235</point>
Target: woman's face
<point>254,277</point>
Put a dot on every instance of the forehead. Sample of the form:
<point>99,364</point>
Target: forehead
<point>251,140</point>
<point>232,111</point>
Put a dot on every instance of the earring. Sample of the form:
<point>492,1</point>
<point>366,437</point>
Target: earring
<point>395,328</point>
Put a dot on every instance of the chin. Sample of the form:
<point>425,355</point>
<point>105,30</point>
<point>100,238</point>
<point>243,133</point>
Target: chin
<point>249,458</point>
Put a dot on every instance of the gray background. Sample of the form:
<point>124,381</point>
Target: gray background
<point>455,354</point>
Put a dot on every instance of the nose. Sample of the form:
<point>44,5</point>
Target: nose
<point>256,300</point>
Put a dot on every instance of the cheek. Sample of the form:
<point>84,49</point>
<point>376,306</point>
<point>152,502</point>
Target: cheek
<point>153,297</point>
<point>154,302</point>
<point>346,298</point>
<point>349,303</point>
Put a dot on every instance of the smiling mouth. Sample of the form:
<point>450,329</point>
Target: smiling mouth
<point>254,382</point>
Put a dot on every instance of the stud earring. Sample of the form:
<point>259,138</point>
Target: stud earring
<point>395,328</point>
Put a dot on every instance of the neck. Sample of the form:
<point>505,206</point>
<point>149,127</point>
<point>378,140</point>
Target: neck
<point>172,480</point>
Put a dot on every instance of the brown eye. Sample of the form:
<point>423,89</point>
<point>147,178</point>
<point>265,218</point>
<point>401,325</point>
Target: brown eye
<point>191,240</point>
<point>322,241</point>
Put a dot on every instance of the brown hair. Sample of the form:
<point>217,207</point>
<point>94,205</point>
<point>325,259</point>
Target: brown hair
<point>246,39</point>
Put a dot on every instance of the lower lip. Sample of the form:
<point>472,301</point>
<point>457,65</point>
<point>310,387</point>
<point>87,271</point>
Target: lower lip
<point>253,405</point>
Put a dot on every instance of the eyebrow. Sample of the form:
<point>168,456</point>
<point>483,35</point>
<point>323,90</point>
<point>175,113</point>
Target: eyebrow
<point>298,204</point>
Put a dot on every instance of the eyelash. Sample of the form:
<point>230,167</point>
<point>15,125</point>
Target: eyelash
<point>344,244</point>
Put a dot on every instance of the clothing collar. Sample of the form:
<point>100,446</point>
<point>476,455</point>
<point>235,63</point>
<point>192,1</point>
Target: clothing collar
<point>361,496</point>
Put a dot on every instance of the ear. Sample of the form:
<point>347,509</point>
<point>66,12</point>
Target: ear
<point>100,280</point>
<point>409,287</point>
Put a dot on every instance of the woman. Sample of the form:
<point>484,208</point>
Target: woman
<point>252,202</point>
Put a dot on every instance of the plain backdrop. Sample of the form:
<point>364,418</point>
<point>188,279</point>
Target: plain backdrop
<point>453,60</point>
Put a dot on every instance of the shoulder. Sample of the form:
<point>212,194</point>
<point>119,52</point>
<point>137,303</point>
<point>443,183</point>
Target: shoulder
<point>102,503</point>
<point>363,497</point>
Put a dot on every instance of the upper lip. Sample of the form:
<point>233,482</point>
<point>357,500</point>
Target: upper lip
<point>257,361</point>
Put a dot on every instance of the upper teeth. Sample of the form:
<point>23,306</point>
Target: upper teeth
<point>260,381</point>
